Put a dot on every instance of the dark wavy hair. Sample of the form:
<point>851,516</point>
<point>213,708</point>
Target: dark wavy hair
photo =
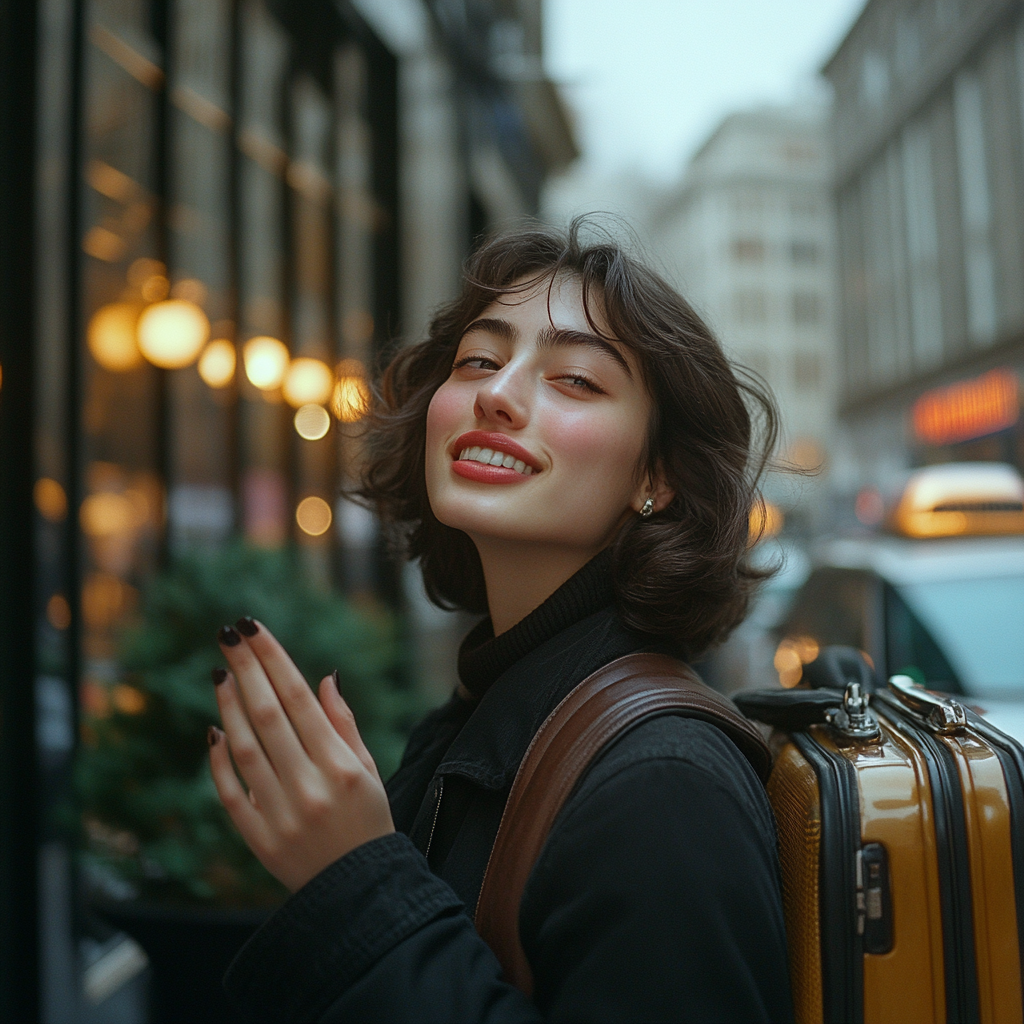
<point>683,575</point>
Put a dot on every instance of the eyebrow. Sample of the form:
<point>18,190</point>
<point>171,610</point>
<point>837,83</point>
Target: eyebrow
<point>550,337</point>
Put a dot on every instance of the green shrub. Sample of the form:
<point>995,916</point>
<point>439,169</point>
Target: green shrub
<point>151,813</point>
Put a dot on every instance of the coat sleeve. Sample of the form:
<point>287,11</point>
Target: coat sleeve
<point>374,937</point>
<point>656,898</point>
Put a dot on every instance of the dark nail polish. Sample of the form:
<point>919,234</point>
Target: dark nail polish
<point>247,626</point>
<point>219,675</point>
<point>213,735</point>
<point>337,680</point>
<point>228,636</point>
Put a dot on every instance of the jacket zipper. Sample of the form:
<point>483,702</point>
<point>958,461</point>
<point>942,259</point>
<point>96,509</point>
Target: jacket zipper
<point>438,790</point>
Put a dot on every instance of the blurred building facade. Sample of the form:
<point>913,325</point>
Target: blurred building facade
<point>221,214</point>
<point>928,142</point>
<point>749,238</point>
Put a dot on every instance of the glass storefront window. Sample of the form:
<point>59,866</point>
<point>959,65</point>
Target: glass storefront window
<point>209,249</point>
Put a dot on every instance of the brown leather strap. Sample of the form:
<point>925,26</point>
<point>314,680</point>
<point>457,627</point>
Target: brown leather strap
<point>600,709</point>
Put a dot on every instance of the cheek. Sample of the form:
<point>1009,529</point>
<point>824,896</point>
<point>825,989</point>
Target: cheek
<point>604,448</point>
<point>444,414</point>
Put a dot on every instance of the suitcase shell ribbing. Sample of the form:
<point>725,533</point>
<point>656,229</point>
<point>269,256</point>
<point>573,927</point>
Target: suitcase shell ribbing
<point>939,809</point>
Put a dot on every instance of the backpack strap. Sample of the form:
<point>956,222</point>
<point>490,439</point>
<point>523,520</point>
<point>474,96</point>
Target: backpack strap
<point>603,707</point>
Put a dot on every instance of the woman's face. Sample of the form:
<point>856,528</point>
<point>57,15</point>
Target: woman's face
<point>537,434</point>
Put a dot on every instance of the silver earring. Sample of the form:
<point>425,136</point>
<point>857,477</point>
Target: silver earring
<point>648,508</point>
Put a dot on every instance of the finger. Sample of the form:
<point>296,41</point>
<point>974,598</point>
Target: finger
<point>262,704</point>
<point>241,811</point>
<point>344,722</point>
<point>253,764</point>
<point>297,699</point>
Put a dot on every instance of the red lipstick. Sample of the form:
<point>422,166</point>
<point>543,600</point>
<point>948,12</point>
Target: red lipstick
<point>482,473</point>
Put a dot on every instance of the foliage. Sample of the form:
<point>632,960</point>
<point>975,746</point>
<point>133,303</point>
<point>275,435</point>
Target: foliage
<point>151,811</point>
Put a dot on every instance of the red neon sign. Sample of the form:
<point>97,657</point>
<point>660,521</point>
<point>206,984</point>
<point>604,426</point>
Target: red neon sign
<point>969,409</point>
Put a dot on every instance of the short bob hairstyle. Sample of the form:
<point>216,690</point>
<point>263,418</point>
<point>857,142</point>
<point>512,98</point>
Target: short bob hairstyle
<point>683,575</point>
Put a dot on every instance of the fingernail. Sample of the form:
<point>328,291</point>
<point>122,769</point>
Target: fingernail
<point>219,675</point>
<point>213,735</point>
<point>247,626</point>
<point>337,681</point>
<point>228,636</point>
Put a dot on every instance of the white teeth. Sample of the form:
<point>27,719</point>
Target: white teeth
<point>489,457</point>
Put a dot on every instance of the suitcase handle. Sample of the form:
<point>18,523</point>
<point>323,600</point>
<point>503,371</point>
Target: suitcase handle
<point>940,714</point>
<point>788,709</point>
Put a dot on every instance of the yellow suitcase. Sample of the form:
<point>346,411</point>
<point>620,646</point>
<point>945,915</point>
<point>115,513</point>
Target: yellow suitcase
<point>901,833</point>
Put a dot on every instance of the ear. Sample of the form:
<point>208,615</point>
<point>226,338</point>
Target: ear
<point>654,486</point>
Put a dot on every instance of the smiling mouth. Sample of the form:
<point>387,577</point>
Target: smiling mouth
<point>490,457</point>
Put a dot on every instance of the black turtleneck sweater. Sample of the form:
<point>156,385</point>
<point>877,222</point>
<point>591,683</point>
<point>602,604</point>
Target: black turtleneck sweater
<point>656,896</point>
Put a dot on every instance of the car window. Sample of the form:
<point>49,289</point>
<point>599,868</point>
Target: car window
<point>833,607</point>
<point>911,650</point>
<point>980,625</point>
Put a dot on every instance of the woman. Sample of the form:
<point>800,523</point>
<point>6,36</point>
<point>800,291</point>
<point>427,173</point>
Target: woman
<point>569,452</point>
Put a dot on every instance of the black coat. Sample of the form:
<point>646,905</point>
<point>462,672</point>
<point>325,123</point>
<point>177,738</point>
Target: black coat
<point>655,898</point>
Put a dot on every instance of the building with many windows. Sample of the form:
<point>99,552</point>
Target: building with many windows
<point>928,143</point>
<point>748,238</point>
<point>218,218</point>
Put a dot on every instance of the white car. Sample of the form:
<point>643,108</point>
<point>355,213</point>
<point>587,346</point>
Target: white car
<point>946,610</point>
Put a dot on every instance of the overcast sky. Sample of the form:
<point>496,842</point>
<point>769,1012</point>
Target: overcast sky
<point>649,79</point>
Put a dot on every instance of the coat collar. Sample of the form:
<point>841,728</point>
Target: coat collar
<point>490,746</point>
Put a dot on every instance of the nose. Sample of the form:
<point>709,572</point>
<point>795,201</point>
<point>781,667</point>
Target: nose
<point>503,398</point>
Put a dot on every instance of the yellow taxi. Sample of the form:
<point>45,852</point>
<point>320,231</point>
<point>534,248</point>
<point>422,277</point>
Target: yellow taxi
<point>938,595</point>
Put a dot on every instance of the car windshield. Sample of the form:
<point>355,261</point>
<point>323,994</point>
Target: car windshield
<point>980,626</point>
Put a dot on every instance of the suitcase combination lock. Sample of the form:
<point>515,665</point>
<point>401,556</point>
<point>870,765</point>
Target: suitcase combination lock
<point>853,721</point>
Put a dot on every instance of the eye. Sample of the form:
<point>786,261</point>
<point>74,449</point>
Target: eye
<point>475,363</point>
<point>582,383</point>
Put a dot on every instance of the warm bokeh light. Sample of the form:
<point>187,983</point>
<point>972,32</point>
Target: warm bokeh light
<point>103,244</point>
<point>312,422</point>
<point>58,612</point>
<point>106,599</point>
<point>791,655</point>
<point>155,288</point>
<point>351,397</point>
<point>308,382</point>
<point>144,268</point>
<point>172,333</point>
<point>971,408</point>
<point>217,363</point>
<point>766,520</point>
<point>50,499</point>
<point>127,699</point>
<point>266,362</point>
<point>805,454</point>
<point>93,697</point>
<point>111,336</point>
<point>108,514</point>
<point>190,289</point>
<point>313,516</point>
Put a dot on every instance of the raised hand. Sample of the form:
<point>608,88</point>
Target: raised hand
<point>312,792</point>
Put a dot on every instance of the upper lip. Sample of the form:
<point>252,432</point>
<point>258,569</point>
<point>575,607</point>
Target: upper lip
<point>497,443</point>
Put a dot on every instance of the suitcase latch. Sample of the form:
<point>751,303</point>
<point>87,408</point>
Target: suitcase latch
<point>853,721</point>
<point>940,714</point>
